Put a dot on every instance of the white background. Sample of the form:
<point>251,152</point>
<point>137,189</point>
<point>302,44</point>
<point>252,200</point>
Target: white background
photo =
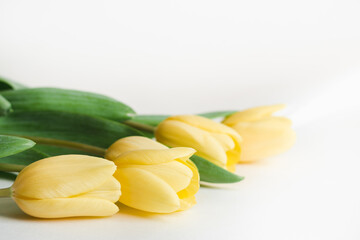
<point>194,56</point>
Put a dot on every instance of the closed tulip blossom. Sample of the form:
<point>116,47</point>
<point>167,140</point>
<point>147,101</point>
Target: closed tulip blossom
<point>153,177</point>
<point>213,141</point>
<point>67,186</point>
<point>263,135</point>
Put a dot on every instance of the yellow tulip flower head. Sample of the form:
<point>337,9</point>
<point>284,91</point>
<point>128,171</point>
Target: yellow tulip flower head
<point>213,141</point>
<point>153,177</point>
<point>263,135</point>
<point>67,186</point>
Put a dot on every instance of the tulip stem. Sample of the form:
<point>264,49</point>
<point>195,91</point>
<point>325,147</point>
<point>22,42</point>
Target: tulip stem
<point>80,146</point>
<point>7,167</point>
<point>5,192</point>
<point>140,126</point>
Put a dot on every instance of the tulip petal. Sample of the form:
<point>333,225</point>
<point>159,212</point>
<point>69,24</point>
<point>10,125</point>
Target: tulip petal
<point>175,173</point>
<point>129,144</point>
<point>175,134</point>
<point>67,207</point>
<point>265,138</point>
<point>62,176</point>
<point>233,156</point>
<point>253,114</point>
<point>205,124</point>
<point>225,140</point>
<point>194,185</point>
<point>187,203</point>
<point>110,191</point>
<point>153,156</point>
<point>145,191</point>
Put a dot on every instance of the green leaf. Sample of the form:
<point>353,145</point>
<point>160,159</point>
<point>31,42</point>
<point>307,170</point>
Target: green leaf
<point>67,127</point>
<point>152,120</point>
<point>56,150</point>
<point>147,134</point>
<point>8,176</point>
<point>24,158</point>
<point>218,114</point>
<point>5,106</point>
<point>11,145</point>
<point>6,84</point>
<point>55,99</point>
<point>39,151</point>
<point>209,172</point>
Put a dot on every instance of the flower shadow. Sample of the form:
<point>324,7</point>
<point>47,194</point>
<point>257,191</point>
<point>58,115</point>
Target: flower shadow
<point>134,212</point>
<point>125,210</point>
<point>9,209</point>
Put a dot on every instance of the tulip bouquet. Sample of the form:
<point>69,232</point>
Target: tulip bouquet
<point>79,153</point>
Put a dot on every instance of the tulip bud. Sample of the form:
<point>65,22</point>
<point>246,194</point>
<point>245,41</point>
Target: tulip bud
<point>153,177</point>
<point>263,135</point>
<point>212,140</point>
<point>67,186</point>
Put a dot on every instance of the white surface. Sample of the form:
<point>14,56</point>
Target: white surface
<point>194,56</point>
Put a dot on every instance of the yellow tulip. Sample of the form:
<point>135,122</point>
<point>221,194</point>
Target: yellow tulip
<point>212,140</point>
<point>263,135</point>
<point>67,186</point>
<point>153,177</point>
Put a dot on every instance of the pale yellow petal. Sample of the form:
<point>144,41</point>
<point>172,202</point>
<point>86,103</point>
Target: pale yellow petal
<point>63,176</point>
<point>110,190</point>
<point>265,138</point>
<point>129,144</point>
<point>226,136</point>
<point>204,124</point>
<point>194,184</point>
<point>176,174</point>
<point>67,207</point>
<point>253,114</point>
<point>225,140</point>
<point>176,134</point>
<point>145,191</point>
<point>153,156</point>
<point>233,156</point>
<point>187,203</point>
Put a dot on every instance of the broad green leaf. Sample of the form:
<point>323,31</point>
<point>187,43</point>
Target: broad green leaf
<point>66,127</point>
<point>212,173</point>
<point>148,134</point>
<point>24,158</point>
<point>218,114</point>
<point>10,145</point>
<point>6,84</point>
<point>56,150</point>
<point>8,176</point>
<point>152,120</point>
<point>5,106</point>
<point>55,99</point>
<point>39,151</point>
